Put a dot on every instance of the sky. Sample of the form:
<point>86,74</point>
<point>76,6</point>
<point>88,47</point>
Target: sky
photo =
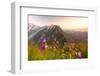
<point>65,22</point>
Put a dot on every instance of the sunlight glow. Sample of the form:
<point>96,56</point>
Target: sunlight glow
<point>65,22</point>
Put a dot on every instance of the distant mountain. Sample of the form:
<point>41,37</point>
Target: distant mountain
<point>77,35</point>
<point>53,33</point>
<point>32,27</point>
<point>31,30</point>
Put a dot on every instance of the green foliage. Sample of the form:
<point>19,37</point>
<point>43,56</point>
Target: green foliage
<point>35,53</point>
<point>83,47</point>
<point>72,48</point>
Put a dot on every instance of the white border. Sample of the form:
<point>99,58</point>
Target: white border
<point>19,23</point>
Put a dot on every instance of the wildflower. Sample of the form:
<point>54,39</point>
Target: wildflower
<point>79,54</point>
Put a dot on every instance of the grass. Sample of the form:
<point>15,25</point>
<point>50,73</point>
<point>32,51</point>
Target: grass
<point>35,53</point>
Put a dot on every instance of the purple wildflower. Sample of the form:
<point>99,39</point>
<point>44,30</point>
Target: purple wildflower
<point>43,47</point>
<point>43,39</point>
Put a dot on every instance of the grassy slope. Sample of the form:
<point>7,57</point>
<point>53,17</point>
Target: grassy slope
<point>35,53</point>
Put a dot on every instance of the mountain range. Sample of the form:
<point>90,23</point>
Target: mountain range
<point>54,32</point>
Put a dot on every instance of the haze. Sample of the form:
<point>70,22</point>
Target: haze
<point>65,22</point>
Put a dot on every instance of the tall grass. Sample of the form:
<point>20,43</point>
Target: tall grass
<point>35,53</point>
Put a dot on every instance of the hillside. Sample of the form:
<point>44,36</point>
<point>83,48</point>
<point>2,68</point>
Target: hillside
<point>52,42</point>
